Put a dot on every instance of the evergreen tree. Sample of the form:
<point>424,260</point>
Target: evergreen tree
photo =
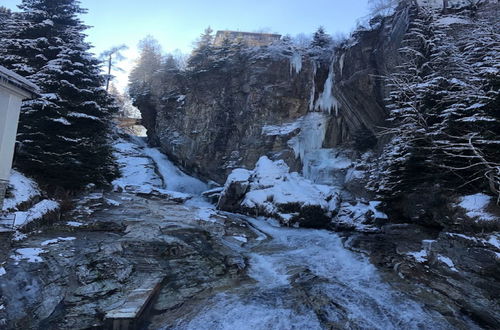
<point>203,53</point>
<point>148,64</point>
<point>63,132</point>
<point>321,39</point>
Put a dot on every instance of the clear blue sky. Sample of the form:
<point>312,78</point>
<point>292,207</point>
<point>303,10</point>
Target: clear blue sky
<point>176,24</point>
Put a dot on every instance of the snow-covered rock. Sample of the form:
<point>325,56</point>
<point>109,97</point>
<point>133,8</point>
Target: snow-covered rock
<point>271,190</point>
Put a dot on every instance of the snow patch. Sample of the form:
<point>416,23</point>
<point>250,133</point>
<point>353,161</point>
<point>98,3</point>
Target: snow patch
<point>420,256</point>
<point>74,224</point>
<point>447,261</point>
<point>29,254</point>
<point>38,211</point>
<point>23,190</point>
<point>57,240</point>
<point>475,205</point>
<point>205,214</point>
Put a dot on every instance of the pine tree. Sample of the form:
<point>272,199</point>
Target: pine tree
<point>204,51</point>
<point>64,132</point>
<point>321,39</point>
<point>147,66</point>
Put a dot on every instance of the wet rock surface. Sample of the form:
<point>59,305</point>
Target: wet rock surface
<point>451,272</point>
<point>82,272</point>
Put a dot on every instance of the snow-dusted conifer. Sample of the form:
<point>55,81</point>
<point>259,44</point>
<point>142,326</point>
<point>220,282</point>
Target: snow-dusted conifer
<point>63,132</point>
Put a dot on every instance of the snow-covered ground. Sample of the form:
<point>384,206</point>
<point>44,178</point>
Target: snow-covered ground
<point>25,190</point>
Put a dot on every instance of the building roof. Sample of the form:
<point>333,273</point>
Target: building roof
<point>15,80</point>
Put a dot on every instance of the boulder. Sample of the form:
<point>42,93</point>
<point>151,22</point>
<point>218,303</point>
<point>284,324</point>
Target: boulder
<point>271,190</point>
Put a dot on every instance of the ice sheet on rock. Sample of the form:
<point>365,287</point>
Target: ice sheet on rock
<point>29,254</point>
<point>136,169</point>
<point>475,207</point>
<point>173,177</point>
<point>326,100</point>
<point>284,129</point>
<point>295,63</point>
<point>24,189</point>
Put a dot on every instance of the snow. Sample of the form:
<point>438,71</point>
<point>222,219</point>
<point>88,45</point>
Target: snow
<point>181,98</point>
<point>137,170</point>
<point>82,115</point>
<point>23,190</point>
<point>57,240</point>
<point>205,214</point>
<point>29,254</point>
<point>241,238</point>
<point>238,175</point>
<point>449,20</point>
<point>284,129</point>
<point>17,78</point>
<point>112,202</point>
<point>74,224</point>
<point>173,177</point>
<point>38,211</point>
<point>2,272</point>
<point>447,261</point>
<point>420,256</point>
<point>494,240</point>
<point>295,63</point>
<point>438,4</point>
<point>272,186</point>
<point>475,206</point>
<point>62,121</point>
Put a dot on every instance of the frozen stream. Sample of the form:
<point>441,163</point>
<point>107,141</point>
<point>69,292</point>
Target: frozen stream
<point>306,279</point>
<point>220,270</point>
<point>300,279</point>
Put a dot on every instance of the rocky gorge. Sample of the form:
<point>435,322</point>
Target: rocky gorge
<point>321,115</point>
<point>279,187</point>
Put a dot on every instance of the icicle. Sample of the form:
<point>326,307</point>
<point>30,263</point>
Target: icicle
<point>295,63</point>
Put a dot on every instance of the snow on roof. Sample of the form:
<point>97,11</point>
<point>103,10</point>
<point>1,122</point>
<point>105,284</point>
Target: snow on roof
<point>18,81</point>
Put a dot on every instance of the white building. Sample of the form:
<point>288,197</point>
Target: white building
<point>13,89</point>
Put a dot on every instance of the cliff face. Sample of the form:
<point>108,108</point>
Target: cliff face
<point>213,120</point>
<point>227,116</point>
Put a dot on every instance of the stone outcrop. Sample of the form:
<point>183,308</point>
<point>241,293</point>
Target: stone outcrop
<point>270,190</point>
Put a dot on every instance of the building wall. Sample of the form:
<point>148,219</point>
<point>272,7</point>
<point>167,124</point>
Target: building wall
<point>10,105</point>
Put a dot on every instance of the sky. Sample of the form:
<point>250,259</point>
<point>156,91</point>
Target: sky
<point>177,23</point>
